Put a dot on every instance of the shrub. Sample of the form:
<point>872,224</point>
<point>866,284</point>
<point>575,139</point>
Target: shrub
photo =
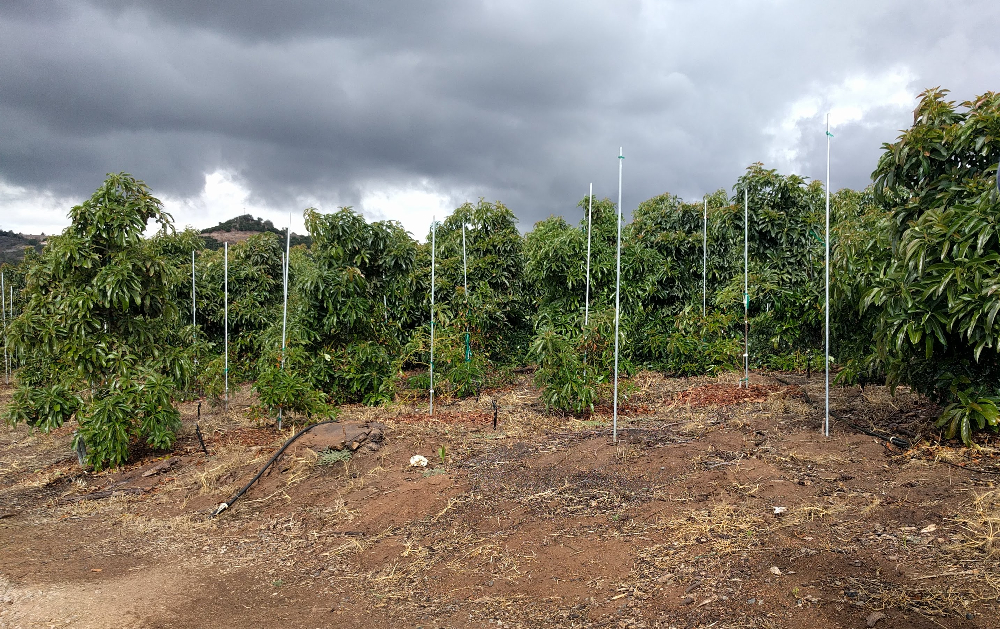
<point>937,299</point>
<point>573,364</point>
<point>697,344</point>
<point>99,331</point>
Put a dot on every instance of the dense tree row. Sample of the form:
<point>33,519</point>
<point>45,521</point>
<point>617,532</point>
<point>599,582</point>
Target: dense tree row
<point>105,334</point>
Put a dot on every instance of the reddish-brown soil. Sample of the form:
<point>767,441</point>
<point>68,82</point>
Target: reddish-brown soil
<point>713,509</point>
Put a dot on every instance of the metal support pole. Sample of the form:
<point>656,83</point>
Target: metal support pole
<point>284,312</point>
<point>3,309</point>
<point>586,299</point>
<point>618,290</point>
<point>465,275</point>
<point>746,288</point>
<point>704,263</point>
<point>433,246</point>
<point>465,268</point>
<point>826,347</point>
<point>225,281</point>
<point>194,308</point>
<point>10,317</point>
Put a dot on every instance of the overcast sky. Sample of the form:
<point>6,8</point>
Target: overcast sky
<point>404,109</point>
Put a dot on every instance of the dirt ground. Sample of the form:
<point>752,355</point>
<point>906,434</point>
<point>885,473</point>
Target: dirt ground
<point>717,507</point>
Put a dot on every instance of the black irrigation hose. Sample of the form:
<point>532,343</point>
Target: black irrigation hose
<point>899,442</point>
<point>236,496</point>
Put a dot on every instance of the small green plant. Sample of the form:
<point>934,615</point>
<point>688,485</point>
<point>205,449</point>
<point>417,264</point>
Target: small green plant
<point>566,385</point>
<point>330,457</point>
<point>443,454</point>
<point>573,363</point>
<point>419,382</point>
<point>456,371</point>
<point>283,388</point>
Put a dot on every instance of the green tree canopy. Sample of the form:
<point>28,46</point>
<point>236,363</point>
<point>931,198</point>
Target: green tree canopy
<point>99,332</point>
<point>938,298</point>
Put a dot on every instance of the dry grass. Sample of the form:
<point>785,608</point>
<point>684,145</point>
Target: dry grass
<point>801,514</point>
<point>781,404</point>
<point>224,477</point>
<point>729,527</point>
<point>980,522</point>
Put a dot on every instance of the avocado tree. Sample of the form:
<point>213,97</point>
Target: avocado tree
<point>99,330</point>
<point>255,301</point>
<point>496,307</point>
<point>939,296</point>
<point>860,252</point>
<point>786,263</point>
<point>479,332</point>
<point>574,357</point>
<point>664,279</point>
<point>556,265</point>
<point>348,299</point>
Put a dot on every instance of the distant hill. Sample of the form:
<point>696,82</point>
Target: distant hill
<point>244,223</point>
<point>242,227</point>
<point>12,246</point>
<point>236,229</point>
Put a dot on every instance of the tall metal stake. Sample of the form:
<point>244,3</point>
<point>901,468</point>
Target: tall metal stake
<point>225,282</point>
<point>465,268</point>
<point>194,308</point>
<point>746,288</point>
<point>284,312</point>
<point>465,275</point>
<point>586,294</point>
<point>826,348</point>
<point>586,298</point>
<point>704,263</point>
<point>3,308</point>
<point>618,290</point>
<point>433,245</point>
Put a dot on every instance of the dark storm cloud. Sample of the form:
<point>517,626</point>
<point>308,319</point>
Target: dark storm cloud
<point>521,101</point>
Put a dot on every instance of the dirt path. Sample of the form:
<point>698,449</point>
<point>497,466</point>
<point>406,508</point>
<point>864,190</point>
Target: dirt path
<point>713,509</point>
